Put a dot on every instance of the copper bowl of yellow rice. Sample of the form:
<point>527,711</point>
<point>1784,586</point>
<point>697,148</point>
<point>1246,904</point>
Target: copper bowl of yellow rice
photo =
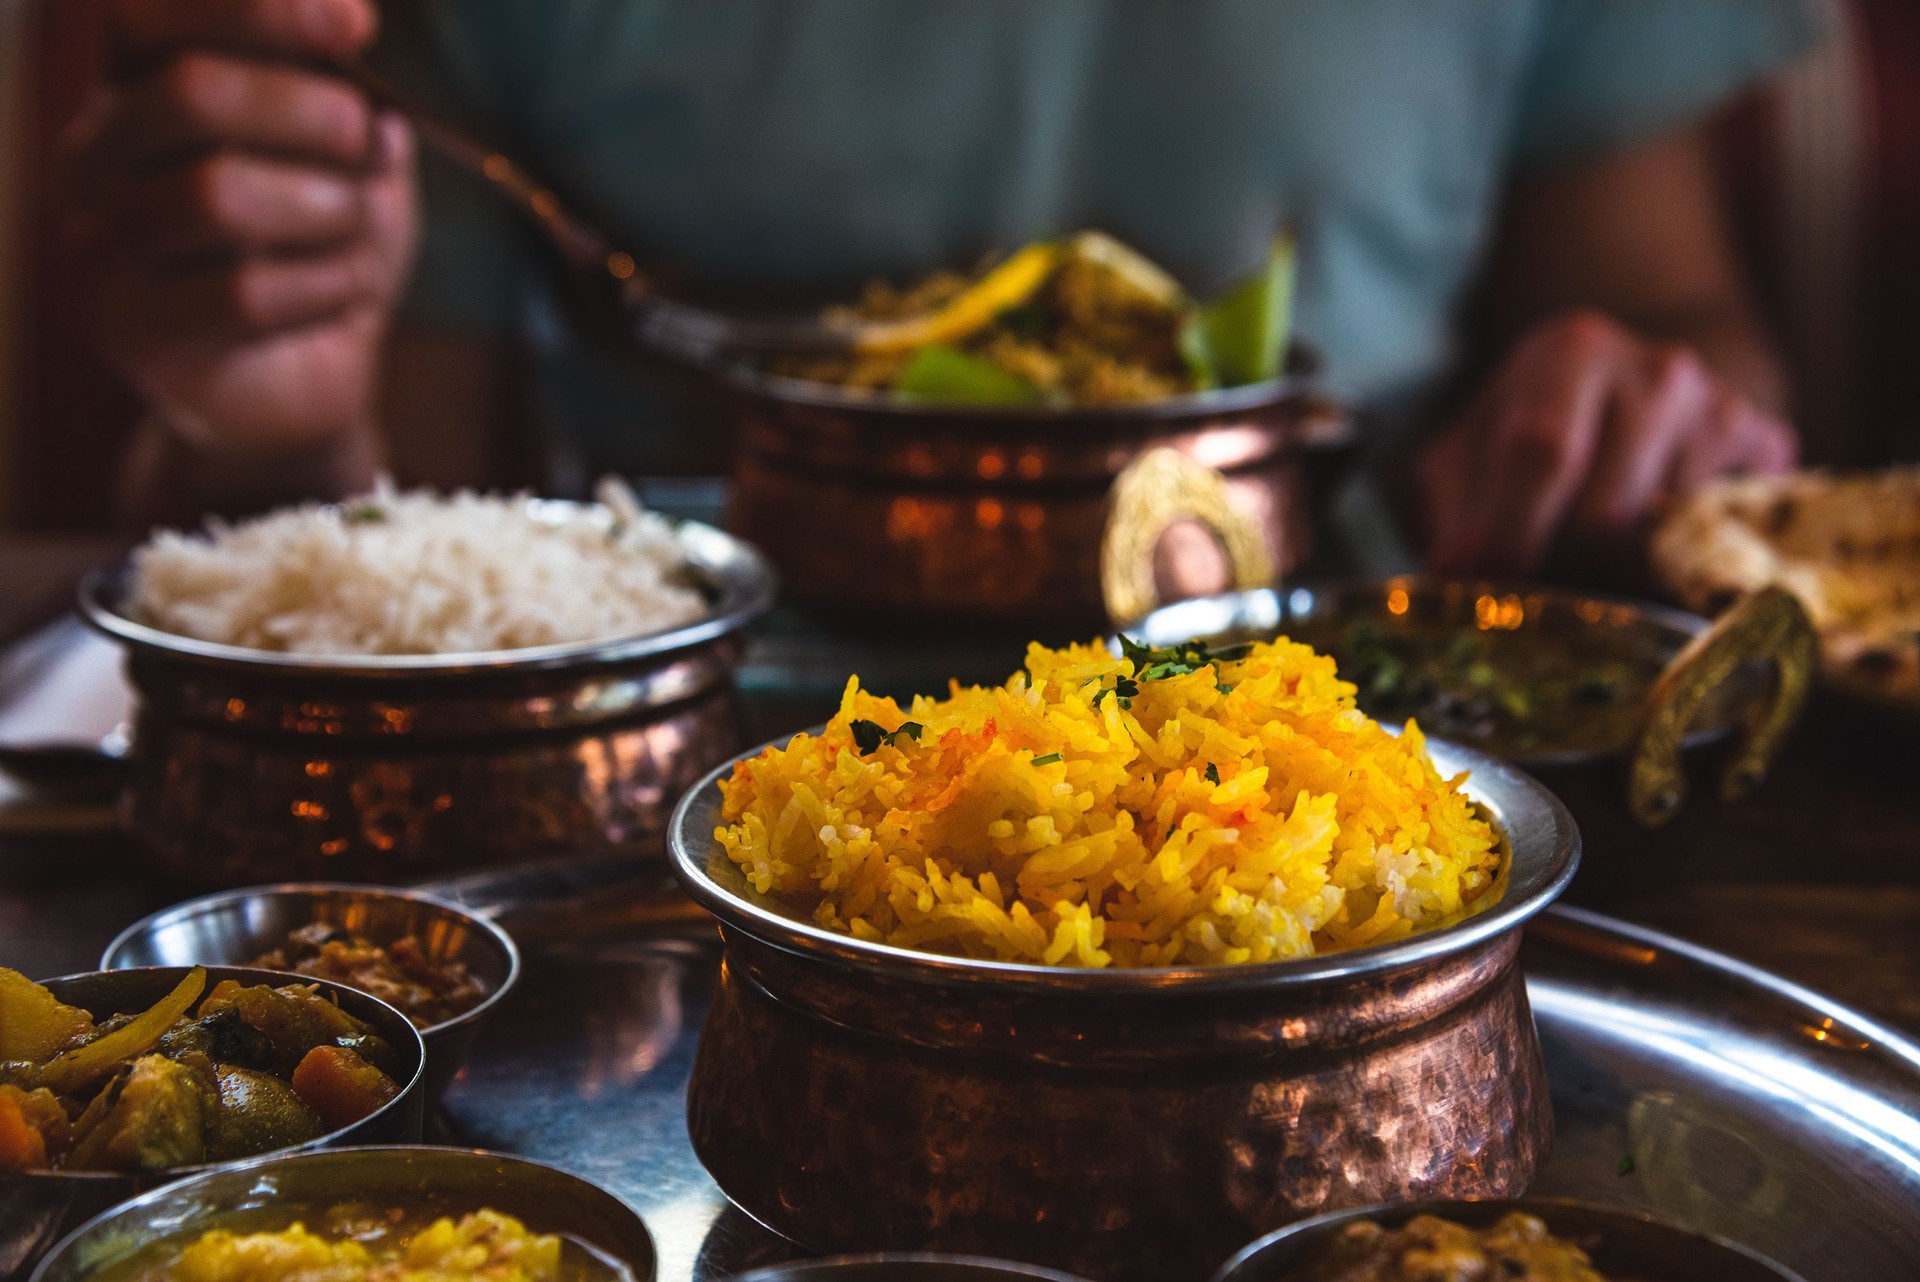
<point>1116,966</point>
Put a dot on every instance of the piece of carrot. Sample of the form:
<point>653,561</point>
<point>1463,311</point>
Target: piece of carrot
<point>22,1147</point>
<point>340,1086</point>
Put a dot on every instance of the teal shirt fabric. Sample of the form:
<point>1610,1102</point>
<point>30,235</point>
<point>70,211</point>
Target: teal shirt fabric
<point>793,148</point>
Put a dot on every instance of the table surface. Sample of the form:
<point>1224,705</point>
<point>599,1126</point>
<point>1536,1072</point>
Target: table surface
<point>1815,877</point>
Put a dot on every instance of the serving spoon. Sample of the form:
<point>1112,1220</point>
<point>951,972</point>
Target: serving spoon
<point>680,330</point>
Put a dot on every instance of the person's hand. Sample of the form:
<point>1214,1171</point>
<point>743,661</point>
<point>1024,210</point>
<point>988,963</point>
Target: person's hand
<point>1577,441</point>
<point>240,220</point>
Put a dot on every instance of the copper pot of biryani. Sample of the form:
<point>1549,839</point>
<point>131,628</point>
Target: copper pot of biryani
<point>1117,966</point>
<point>406,684</point>
<point>1619,706</point>
<point>958,465</point>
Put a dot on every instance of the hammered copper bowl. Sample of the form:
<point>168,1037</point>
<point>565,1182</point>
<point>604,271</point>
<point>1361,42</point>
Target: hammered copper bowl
<point>1624,1244</point>
<point>268,1193</point>
<point>1121,1124</point>
<point>879,507</point>
<point>38,1207</point>
<point>255,766</point>
<point>235,927</point>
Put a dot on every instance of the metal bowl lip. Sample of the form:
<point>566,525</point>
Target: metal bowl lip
<point>689,851</point>
<point>459,1153</point>
<point>1544,1206</point>
<point>319,1144</point>
<point>1006,1268</point>
<point>1671,618</point>
<point>1303,376</point>
<point>740,603</point>
<point>488,930</point>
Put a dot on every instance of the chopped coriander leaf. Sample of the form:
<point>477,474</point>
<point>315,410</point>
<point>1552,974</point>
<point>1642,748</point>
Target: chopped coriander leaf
<point>1627,1164</point>
<point>1047,760</point>
<point>868,735</point>
<point>1213,774</point>
<point>367,514</point>
<point>1156,663</point>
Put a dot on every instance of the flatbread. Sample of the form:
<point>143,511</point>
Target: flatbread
<point>1848,545</point>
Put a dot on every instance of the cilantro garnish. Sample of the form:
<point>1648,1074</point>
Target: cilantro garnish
<point>868,735</point>
<point>1213,774</point>
<point>366,514</point>
<point>1627,1164</point>
<point>1123,691</point>
<point>1156,663</point>
<point>1047,760</point>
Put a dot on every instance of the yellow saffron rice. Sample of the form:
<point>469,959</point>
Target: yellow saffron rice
<point>1042,821</point>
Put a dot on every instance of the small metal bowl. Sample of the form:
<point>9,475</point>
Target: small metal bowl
<point>878,507</point>
<point>1122,1124</point>
<point>38,1207</point>
<point>1637,629</point>
<point>1624,1244</point>
<point>258,766</point>
<point>906,1267</point>
<point>271,1192</point>
<point>236,926</point>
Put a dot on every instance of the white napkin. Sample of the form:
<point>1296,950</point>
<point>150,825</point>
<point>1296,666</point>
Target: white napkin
<point>65,686</point>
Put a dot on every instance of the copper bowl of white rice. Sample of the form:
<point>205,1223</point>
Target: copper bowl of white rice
<point>405,685</point>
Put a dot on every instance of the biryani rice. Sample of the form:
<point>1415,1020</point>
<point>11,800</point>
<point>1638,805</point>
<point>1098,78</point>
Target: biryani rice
<point>1323,832</point>
<point>417,573</point>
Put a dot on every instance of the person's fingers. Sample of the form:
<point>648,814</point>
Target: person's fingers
<point>1732,437</point>
<point>201,100</point>
<point>231,302</point>
<point>1663,399</point>
<point>142,30</point>
<point>1539,429</point>
<point>235,201</point>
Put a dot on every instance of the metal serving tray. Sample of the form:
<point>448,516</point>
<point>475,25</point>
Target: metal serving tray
<point>1684,1083</point>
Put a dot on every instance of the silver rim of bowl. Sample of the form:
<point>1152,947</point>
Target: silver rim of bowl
<point>489,930</point>
<point>1528,815</point>
<point>805,1269</point>
<point>1544,1206</point>
<point>173,1175</point>
<point>742,578</point>
<point>134,1205</point>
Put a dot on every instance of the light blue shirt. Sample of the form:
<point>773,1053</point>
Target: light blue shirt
<point>794,148</point>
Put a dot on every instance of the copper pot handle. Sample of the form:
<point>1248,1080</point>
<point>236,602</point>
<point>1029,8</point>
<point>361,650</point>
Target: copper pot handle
<point>1769,624</point>
<point>1157,490</point>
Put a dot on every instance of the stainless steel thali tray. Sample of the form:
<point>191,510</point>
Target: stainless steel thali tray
<point>1684,1084</point>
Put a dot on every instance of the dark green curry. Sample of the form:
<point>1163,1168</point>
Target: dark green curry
<point>1515,693</point>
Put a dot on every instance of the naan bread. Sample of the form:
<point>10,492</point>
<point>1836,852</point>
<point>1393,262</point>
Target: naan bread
<point>1847,545</point>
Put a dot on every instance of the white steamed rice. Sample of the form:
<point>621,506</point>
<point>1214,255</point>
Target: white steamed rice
<point>417,573</point>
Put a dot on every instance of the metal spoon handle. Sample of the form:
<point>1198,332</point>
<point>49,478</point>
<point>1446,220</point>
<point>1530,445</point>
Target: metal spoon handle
<point>580,243</point>
<point>658,324</point>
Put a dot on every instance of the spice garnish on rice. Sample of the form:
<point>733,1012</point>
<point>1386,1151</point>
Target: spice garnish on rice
<point>1167,807</point>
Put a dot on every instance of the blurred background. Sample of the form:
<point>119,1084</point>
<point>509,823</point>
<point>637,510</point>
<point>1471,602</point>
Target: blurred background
<point>1821,167</point>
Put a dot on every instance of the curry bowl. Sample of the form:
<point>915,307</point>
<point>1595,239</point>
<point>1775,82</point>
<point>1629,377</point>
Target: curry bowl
<point>1623,1243</point>
<point>881,508</point>
<point>234,928</point>
<point>906,1266</point>
<point>257,766</point>
<point>1119,1124</point>
<point>268,1193</point>
<point>38,1207</point>
<point>1544,677</point>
